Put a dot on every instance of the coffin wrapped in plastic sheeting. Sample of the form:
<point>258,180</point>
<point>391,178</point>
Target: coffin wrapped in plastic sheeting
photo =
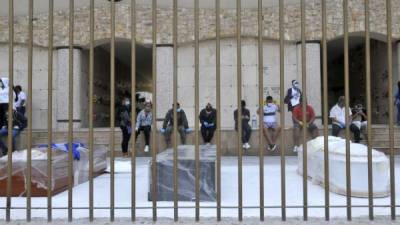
<point>337,167</point>
<point>39,176</point>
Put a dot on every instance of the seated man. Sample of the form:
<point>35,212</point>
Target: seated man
<point>299,124</point>
<point>183,126</point>
<point>19,123</point>
<point>338,116</point>
<point>208,120</point>
<point>246,129</point>
<point>359,118</point>
<point>143,124</point>
<point>271,129</point>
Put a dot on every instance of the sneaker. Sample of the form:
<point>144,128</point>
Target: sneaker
<point>247,146</point>
<point>295,149</point>
<point>146,148</point>
<point>244,145</point>
<point>273,147</point>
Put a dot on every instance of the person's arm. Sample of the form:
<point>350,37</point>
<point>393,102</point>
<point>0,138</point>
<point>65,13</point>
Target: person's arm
<point>166,119</point>
<point>246,116</point>
<point>214,117</point>
<point>138,120</point>
<point>184,120</point>
<point>201,116</point>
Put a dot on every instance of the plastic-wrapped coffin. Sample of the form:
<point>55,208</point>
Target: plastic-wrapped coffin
<point>39,170</point>
<point>337,167</point>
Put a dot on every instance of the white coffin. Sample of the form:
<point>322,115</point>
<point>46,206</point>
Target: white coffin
<point>337,167</point>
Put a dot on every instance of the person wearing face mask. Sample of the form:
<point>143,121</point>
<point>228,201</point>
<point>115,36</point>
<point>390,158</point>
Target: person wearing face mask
<point>183,126</point>
<point>143,124</point>
<point>3,100</point>
<point>20,99</point>
<point>338,117</point>
<point>208,120</point>
<point>293,95</point>
<point>271,128</point>
<point>246,129</point>
<point>125,124</point>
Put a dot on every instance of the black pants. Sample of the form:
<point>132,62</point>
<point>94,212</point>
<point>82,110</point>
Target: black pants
<point>246,132</point>
<point>21,110</point>
<point>207,133</point>
<point>3,110</point>
<point>353,128</point>
<point>125,139</point>
<point>146,130</point>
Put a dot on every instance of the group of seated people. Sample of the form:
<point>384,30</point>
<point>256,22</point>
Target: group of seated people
<point>271,128</point>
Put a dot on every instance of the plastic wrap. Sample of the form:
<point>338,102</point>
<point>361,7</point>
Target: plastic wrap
<point>337,167</point>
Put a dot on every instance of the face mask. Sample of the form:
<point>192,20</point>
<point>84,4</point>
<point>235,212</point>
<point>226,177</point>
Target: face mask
<point>147,108</point>
<point>178,109</point>
<point>127,102</point>
<point>269,104</point>
<point>296,85</point>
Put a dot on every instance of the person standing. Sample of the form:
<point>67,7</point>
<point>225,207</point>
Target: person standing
<point>246,129</point>
<point>293,95</point>
<point>183,126</point>
<point>208,120</point>
<point>299,124</point>
<point>271,129</point>
<point>125,124</point>
<point>143,124</point>
<point>3,100</point>
<point>338,117</point>
<point>20,100</point>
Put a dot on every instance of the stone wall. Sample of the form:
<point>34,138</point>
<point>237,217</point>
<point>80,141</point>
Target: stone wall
<point>207,23</point>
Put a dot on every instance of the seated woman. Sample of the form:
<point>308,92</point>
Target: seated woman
<point>19,123</point>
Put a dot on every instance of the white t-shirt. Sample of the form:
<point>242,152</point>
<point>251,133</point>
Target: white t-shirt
<point>21,97</point>
<point>339,114</point>
<point>295,100</point>
<point>270,113</point>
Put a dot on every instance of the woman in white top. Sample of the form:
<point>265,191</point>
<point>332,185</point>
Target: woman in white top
<point>3,100</point>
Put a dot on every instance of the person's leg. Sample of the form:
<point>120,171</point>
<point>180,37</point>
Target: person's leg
<point>247,133</point>
<point>207,135</point>
<point>3,133</point>
<point>335,130</point>
<point>313,129</point>
<point>14,135</point>
<point>147,131</point>
<point>182,133</point>
<point>125,139</point>
<point>398,114</point>
<point>277,133</point>
<point>356,131</point>
<point>167,135</point>
<point>210,134</point>
<point>267,135</point>
<point>204,134</point>
<point>296,135</point>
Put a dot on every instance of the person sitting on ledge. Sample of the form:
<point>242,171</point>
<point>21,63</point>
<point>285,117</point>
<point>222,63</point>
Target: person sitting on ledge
<point>338,116</point>
<point>19,124</point>
<point>208,120</point>
<point>143,124</point>
<point>183,126</point>
<point>299,124</point>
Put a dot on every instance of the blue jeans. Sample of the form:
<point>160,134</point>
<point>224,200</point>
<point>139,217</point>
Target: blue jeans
<point>4,133</point>
<point>398,113</point>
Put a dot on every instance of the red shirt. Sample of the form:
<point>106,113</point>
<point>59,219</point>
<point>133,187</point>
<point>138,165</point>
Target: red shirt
<point>298,113</point>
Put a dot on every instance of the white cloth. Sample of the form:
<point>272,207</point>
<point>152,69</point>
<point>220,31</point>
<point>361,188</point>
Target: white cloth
<point>4,91</point>
<point>295,98</point>
<point>21,97</point>
<point>339,114</point>
<point>270,113</point>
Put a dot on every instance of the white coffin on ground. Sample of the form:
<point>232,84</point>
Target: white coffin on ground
<point>337,167</point>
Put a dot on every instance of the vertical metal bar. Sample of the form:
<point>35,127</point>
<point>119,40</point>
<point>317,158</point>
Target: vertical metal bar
<point>239,98</point>
<point>50,112</point>
<point>175,99</point>
<point>369,117</point>
<point>304,106</point>
<point>347,107</point>
<point>196,106</point>
<point>133,109</point>
<point>29,147</point>
<point>281,103</point>
<point>11,74</point>
<point>261,103</point>
<point>112,112</point>
<point>70,106</point>
<point>390,90</point>
<point>325,97</point>
<point>91,135</point>
<point>218,84</point>
<point>154,111</point>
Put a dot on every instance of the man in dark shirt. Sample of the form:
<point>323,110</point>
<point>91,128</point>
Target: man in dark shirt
<point>208,120</point>
<point>246,129</point>
<point>183,126</point>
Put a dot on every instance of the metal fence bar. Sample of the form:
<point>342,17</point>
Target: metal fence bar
<point>390,90</point>
<point>91,134</point>
<point>347,107</point>
<point>11,74</point>
<point>304,106</point>
<point>70,106</point>
<point>282,106</point>
<point>218,86</point>
<point>112,113</point>
<point>369,117</point>
<point>154,110</point>
<point>10,113</point>
<point>239,110</point>
<point>261,103</point>
<point>196,110</point>
<point>325,106</point>
<point>175,100</point>
<point>50,111</point>
<point>133,109</point>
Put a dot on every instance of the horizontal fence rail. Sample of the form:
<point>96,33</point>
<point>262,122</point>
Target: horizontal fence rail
<point>241,117</point>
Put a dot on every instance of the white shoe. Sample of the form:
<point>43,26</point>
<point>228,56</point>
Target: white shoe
<point>244,145</point>
<point>295,149</point>
<point>273,148</point>
<point>146,148</point>
<point>247,146</point>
